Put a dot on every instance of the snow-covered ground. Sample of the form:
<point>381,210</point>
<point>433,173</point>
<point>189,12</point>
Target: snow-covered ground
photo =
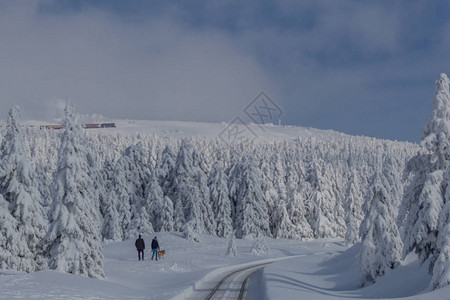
<point>177,129</point>
<point>181,129</point>
<point>327,270</point>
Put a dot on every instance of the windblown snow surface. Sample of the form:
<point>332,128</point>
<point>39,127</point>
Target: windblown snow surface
<point>318,269</point>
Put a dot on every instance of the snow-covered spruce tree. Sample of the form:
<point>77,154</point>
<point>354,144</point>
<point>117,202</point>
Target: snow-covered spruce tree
<point>19,187</point>
<point>260,247</point>
<point>278,174</point>
<point>168,161</point>
<point>45,182</point>
<point>424,197</point>
<point>338,217</point>
<point>138,174</point>
<point>178,216</point>
<point>441,266</point>
<point>234,174</point>
<point>111,223</point>
<point>156,202</point>
<point>221,203</point>
<point>271,195</point>
<point>232,249</point>
<point>117,216</point>
<point>10,246</point>
<point>440,261</point>
<point>208,215</point>
<point>294,203</point>
<point>198,212</point>
<point>252,219</point>
<point>108,206</point>
<point>322,203</point>
<point>130,177</point>
<point>297,212</point>
<point>140,223</point>
<point>381,246</point>
<point>166,215</point>
<point>353,210</point>
<point>189,190</point>
<point>283,227</point>
<point>74,235</point>
<point>199,160</point>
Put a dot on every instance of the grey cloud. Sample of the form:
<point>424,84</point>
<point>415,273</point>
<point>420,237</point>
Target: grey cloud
<point>152,70</point>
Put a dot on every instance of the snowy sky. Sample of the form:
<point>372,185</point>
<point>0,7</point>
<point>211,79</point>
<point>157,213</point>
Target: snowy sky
<point>359,67</point>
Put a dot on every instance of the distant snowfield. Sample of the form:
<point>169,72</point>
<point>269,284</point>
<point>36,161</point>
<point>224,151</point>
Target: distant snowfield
<point>175,129</point>
<point>180,129</point>
<point>327,271</point>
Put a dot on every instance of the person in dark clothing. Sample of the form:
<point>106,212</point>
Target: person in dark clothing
<point>140,246</point>
<point>155,248</point>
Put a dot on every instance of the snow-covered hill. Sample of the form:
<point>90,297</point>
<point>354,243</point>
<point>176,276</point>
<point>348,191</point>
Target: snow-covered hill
<point>180,129</point>
<point>176,129</point>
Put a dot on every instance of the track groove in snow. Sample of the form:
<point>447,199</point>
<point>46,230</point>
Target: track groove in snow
<point>218,280</point>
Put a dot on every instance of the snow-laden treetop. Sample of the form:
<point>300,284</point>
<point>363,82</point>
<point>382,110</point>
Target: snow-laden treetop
<point>436,134</point>
<point>442,84</point>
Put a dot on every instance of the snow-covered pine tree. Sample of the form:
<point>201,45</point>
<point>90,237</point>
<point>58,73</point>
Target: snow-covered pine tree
<point>322,203</point>
<point>18,185</point>
<point>155,202</point>
<point>206,208</point>
<point>297,213</point>
<point>74,235</point>
<point>381,245</point>
<point>441,260</point>
<point>234,174</point>
<point>199,160</point>
<point>129,181</point>
<point>232,249</point>
<point>260,247</point>
<point>271,195</point>
<point>283,227</point>
<point>353,210</point>
<point>108,206</point>
<point>178,216</point>
<point>221,203</point>
<point>138,174</point>
<point>118,218</point>
<point>424,197</point>
<point>331,174</point>
<point>278,174</point>
<point>252,219</point>
<point>11,249</point>
<point>112,229</point>
<point>188,188</point>
<point>299,192</point>
<point>45,183</point>
<point>167,223</point>
<point>140,223</point>
<point>168,161</point>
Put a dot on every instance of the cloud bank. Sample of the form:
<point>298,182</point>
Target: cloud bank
<point>152,70</point>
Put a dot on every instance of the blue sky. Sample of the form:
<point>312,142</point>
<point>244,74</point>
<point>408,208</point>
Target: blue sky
<point>359,67</point>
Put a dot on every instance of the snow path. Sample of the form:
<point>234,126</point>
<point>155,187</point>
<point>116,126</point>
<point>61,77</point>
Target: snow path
<point>233,278</point>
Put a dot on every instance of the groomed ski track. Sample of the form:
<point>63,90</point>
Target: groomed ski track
<point>228,282</point>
